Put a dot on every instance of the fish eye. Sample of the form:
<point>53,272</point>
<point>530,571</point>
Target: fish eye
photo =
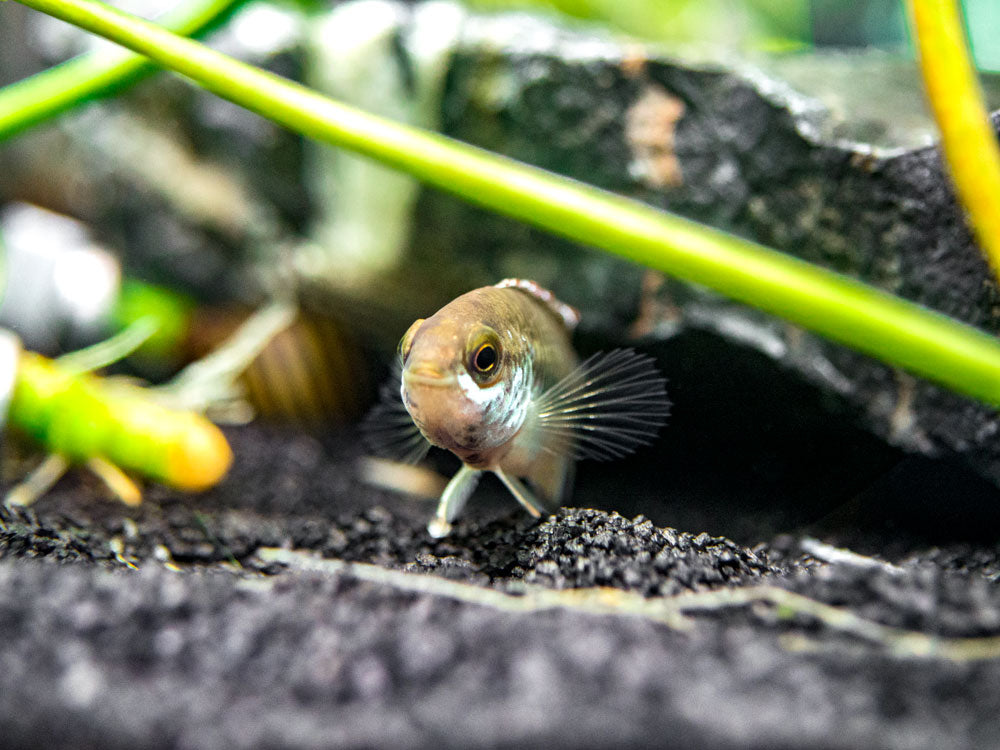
<point>406,343</point>
<point>484,357</point>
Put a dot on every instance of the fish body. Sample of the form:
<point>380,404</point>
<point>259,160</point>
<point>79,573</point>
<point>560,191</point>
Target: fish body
<point>481,413</point>
<point>493,378</point>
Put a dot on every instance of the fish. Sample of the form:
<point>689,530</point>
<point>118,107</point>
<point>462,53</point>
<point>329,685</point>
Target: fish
<point>493,377</point>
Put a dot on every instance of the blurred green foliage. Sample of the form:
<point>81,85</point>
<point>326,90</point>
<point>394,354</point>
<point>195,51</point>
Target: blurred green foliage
<point>768,25</point>
<point>732,23</point>
<point>171,311</point>
<point>983,23</point>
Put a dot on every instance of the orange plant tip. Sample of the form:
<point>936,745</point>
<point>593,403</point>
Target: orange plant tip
<point>200,459</point>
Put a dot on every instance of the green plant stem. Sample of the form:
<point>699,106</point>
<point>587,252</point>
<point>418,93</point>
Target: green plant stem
<point>49,93</point>
<point>897,331</point>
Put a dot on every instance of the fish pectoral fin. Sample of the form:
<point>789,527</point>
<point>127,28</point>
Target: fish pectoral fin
<point>607,407</point>
<point>452,501</point>
<point>521,493</point>
<point>388,430</point>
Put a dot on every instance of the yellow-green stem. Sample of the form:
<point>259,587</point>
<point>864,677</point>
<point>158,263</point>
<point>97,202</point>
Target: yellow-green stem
<point>967,138</point>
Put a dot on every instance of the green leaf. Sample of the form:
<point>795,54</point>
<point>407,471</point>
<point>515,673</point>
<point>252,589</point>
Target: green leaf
<point>47,94</point>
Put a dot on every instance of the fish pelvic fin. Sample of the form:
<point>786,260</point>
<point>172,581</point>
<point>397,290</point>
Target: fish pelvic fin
<point>551,476</point>
<point>452,501</point>
<point>521,493</point>
<point>388,429</point>
<point>611,404</point>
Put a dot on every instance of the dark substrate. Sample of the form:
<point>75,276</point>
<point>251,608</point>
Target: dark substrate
<point>203,645</point>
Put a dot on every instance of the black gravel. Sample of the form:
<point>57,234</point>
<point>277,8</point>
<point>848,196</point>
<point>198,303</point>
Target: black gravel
<point>162,627</point>
<point>160,659</point>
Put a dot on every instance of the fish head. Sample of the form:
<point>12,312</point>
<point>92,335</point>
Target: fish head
<point>465,384</point>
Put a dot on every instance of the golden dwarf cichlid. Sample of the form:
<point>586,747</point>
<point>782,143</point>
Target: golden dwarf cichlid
<point>493,378</point>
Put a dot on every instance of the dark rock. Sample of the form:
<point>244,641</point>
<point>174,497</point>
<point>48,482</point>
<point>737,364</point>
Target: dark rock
<point>757,153</point>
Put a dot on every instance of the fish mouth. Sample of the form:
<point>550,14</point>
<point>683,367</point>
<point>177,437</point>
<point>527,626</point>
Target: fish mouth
<point>427,375</point>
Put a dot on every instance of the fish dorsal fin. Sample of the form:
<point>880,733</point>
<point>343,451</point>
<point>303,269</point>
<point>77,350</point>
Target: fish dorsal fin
<point>607,407</point>
<point>566,313</point>
<point>388,429</point>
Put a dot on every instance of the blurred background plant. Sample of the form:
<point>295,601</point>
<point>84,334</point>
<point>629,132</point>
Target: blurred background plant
<point>768,25</point>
